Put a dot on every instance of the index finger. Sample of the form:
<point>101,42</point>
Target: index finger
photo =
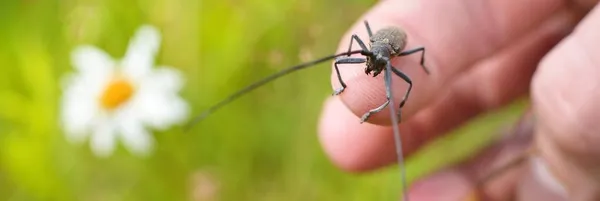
<point>455,34</point>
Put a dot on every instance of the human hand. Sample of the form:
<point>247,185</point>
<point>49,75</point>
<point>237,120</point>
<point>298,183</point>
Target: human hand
<point>482,55</point>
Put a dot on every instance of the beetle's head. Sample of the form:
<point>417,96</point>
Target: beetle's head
<point>377,61</point>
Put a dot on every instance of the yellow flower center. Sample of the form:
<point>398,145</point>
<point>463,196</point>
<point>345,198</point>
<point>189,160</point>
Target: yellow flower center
<point>116,93</point>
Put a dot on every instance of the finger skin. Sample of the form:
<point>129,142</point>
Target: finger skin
<point>566,95</point>
<point>488,85</point>
<point>455,33</point>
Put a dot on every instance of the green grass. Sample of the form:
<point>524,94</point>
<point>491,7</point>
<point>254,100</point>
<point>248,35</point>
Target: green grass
<point>261,147</point>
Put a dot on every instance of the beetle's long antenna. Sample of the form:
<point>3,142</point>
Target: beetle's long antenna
<point>397,139</point>
<point>264,81</point>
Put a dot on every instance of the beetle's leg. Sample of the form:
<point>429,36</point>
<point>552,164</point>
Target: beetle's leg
<point>422,50</point>
<point>388,92</point>
<point>388,96</point>
<point>368,28</point>
<point>345,60</point>
<point>407,79</point>
<point>359,41</point>
<point>349,60</point>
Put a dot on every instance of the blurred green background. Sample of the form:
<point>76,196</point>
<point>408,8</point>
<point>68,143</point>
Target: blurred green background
<point>261,147</point>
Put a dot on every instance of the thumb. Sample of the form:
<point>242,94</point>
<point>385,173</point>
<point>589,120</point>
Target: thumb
<point>566,100</point>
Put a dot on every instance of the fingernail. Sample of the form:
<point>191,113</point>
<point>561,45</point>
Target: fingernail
<point>446,185</point>
<point>545,177</point>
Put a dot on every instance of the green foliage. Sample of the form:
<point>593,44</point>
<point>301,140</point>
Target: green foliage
<point>261,147</point>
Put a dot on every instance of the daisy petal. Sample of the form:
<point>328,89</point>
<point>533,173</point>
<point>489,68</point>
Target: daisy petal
<point>160,111</point>
<point>78,109</point>
<point>158,107</point>
<point>89,60</point>
<point>141,51</point>
<point>103,140</point>
<point>135,137</point>
<point>164,78</point>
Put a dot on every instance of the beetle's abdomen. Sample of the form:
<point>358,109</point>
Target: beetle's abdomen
<point>393,37</point>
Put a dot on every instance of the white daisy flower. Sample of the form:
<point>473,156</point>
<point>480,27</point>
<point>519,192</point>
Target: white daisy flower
<point>108,99</point>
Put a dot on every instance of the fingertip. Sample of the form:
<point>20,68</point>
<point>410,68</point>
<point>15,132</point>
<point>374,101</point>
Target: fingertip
<point>352,146</point>
<point>333,147</point>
